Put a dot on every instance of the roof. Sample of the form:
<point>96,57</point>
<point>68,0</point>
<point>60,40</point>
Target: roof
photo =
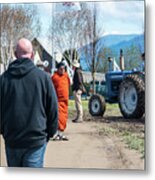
<point>45,44</point>
<point>37,59</point>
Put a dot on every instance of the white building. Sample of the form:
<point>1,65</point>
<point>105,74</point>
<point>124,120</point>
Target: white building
<point>87,77</point>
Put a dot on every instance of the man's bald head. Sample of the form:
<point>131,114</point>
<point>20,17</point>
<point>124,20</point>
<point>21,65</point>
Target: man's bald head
<point>24,49</point>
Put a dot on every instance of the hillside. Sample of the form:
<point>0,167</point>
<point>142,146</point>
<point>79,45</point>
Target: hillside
<point>110,40</point>
<point>115,43</point>
<point>137,41</point>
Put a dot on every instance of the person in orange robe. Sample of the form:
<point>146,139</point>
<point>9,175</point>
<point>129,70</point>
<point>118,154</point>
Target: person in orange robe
<point>61,83</point>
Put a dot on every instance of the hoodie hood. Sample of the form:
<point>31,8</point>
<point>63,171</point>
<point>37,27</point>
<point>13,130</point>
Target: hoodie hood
<point>21,67</point>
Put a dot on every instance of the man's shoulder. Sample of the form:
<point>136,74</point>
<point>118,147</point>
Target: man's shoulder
<point>55,76</point>
<point>79,71</point>
<point>41,73</point>
<point>66,75</point>
<point>4,74</point>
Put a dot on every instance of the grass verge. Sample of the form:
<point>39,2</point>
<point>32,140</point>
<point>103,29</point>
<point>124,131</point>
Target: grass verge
<point>129,136</point>
<point>133,140</point>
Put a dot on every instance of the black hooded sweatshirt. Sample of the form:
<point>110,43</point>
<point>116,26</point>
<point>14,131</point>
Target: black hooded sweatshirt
<point>29,111</point>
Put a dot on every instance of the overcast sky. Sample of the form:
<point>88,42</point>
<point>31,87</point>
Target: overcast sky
<point>122,17</point>
<point>116,17</point>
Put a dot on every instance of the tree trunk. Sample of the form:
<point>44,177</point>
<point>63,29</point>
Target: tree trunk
<point>94,50</point>
<point>93,78</point>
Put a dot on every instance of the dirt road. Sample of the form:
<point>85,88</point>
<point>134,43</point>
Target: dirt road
<point>86,148</point>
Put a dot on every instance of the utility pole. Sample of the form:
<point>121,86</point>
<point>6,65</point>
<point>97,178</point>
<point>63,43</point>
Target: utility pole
<point>121,60</point>
<point>94,48</point>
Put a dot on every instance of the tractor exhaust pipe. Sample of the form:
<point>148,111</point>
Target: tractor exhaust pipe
<point>110,60</point>
<point>121,60</point>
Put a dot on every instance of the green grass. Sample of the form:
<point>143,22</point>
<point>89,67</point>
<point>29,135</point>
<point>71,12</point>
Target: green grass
<point>111,109</point>
<point>85,105</point>
<point>72,104</point>
<point>133,141</point>
<point>72,110</point>
<point>108,131</point>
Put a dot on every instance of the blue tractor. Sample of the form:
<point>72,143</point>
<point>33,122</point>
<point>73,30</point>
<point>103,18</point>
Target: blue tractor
<point>127,88</point>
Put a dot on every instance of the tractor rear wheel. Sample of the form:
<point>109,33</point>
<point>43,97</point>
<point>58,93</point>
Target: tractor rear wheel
<point>97,105</point>
<point>132,97</point>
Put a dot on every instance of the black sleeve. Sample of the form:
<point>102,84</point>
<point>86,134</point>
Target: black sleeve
<point>51,109</point>
<point>80,77</point>
<point>0,105</point>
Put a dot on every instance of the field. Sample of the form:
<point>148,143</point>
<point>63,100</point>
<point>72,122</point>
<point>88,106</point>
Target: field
<point>109,142</point>
<point>131,132</point>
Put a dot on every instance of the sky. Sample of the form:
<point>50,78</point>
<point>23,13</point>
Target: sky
<point>115,17</point>
<point>122,17</point>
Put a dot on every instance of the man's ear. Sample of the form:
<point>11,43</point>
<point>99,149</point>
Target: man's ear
<point>32,55</point>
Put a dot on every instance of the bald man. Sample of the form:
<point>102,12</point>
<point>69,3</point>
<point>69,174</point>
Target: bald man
<point>29,113</point>
<point>24,49</point>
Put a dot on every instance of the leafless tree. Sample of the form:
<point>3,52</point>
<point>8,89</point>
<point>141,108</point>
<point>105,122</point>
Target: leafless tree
<point>93,52</point>
<point>16,21</point>
<point>79,30</point>
<point>67,30</point>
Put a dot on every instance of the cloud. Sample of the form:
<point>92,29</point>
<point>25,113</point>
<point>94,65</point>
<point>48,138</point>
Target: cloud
<point>122,16</point>
<point>122,10</point>
<point>45,9</point>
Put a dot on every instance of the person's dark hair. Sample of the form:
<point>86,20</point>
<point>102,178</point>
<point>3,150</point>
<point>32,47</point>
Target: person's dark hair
<point>143,55</point>
<point>61,64</point>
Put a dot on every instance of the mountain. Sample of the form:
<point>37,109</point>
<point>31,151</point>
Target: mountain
<point>137,41</point>
<point>115,43</point>
<point>110,40</point>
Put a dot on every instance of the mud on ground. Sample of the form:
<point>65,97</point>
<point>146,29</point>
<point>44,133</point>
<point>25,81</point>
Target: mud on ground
<point>108,142</point>
<point>123,139</point>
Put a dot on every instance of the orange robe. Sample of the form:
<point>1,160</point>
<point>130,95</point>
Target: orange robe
<point>61,84</point>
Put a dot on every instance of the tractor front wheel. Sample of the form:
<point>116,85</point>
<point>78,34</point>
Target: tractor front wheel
<point>97,105</point>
